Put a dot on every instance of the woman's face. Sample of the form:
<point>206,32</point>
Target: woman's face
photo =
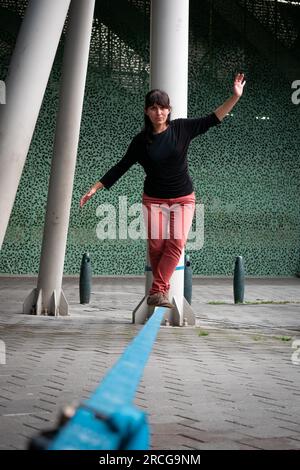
<point>157,114</point>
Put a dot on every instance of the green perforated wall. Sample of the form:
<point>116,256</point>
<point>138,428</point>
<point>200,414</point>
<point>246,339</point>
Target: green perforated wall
<point>246,172</point>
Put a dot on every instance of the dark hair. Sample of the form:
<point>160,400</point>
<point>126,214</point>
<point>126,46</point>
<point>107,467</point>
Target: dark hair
<point>161,98</point>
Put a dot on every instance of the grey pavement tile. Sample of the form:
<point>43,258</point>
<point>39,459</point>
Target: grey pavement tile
<point>233,389</point>
<point>278,443</point>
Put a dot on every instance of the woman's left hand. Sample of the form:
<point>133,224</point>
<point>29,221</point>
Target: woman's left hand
<point>238,85</point>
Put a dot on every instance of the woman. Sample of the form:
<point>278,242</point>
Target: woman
<point>168,199</point>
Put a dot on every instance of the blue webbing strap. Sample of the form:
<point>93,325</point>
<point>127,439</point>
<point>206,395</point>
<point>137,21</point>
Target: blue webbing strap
<point>108,420</point>
<point>178,268</point>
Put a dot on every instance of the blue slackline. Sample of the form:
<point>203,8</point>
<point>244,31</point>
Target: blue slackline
<point>108,420</point>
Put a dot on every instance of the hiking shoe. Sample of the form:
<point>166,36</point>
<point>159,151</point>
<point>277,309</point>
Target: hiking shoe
<point>165,301</point>
<point>153,299</point>
<point>158,299</point>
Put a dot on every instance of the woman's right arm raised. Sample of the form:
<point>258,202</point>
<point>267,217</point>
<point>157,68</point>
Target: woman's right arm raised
<point>90,193</point>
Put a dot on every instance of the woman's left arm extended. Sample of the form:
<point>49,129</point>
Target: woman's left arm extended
<point>227,106</point>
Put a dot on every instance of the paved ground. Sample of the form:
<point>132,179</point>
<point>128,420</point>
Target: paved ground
<point>235,388</point>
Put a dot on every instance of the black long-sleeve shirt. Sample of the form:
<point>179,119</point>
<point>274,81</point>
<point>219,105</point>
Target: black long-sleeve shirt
<point>164,159</point>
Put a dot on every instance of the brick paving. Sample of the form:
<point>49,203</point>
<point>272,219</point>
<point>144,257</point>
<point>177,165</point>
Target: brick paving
<point>228,383</point>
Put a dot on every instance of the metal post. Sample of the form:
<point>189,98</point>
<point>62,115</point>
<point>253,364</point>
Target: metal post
<point>48,298</point>
<point>188,279</point>
<point>85,279</point>
<point>239,280</point>
<point>26,83</point>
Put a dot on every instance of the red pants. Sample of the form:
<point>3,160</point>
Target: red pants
<point>168,222</point>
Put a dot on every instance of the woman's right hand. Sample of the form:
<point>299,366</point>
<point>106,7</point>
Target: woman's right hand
<point>90,193</point>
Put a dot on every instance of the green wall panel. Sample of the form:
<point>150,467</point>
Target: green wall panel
<point>245,172</point>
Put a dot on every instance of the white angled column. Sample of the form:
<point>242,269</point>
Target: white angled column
<point>169,32</point>
<point>48,298</point>
<point>26,83</point>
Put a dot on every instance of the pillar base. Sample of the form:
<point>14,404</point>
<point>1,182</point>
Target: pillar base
<point>33,304</point>
<point>177,316</point>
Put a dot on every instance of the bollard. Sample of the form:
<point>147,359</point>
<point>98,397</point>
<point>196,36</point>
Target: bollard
<point>188,279</point>
<point>85,280</point>
<point>239,280</point>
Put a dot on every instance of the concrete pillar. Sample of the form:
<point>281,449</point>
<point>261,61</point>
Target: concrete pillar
<point>169,32</point>
<point>26,82</point>
<point>48,298</point>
